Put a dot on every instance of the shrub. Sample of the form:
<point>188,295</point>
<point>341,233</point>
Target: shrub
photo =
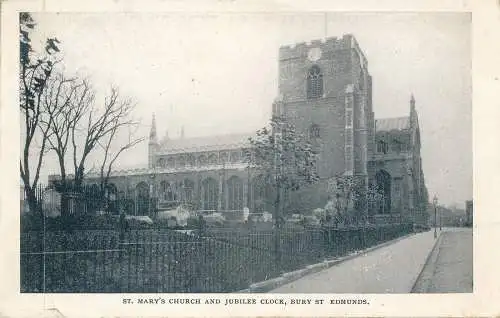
<point>31,222</point>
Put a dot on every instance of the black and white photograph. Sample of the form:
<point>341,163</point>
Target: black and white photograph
<point>305,152</point>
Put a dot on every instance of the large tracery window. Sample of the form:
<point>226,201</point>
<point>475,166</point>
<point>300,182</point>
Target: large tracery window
<point>382,147</point>
<point>188,187</point>
<point>210,194</point>
<point>383,180</point>
<point>314,131</point>
<point>166,192</point>
<point>314,83</point>
<point>235,193</point>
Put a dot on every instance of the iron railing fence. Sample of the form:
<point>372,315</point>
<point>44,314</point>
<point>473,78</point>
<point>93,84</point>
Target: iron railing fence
<point>166,261</point>
<point>86,199</point>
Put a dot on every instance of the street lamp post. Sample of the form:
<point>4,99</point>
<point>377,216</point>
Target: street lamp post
<point>440,220</point>
<point>434,201</point>
<point>152,194</point>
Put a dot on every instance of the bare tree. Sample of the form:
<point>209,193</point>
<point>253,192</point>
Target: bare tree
<point>80,126</point>
<point>109,142</point>
<point>65,101</point>
<point>61,114</point>
<point>34,74</point>
<point>99,129</point>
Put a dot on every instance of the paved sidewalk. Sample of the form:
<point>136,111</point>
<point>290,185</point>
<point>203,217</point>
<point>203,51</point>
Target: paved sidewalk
<point>390,269</point>
<point>450,267</point>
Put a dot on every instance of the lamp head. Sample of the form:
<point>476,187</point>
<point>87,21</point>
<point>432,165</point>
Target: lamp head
<point>435,200</point>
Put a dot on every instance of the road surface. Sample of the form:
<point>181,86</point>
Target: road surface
<point>390,269</point>
<point>449,269</point>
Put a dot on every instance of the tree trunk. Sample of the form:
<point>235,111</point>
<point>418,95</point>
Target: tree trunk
<point>64,203</point>
<point>33,203</point>
<point>277,230</point>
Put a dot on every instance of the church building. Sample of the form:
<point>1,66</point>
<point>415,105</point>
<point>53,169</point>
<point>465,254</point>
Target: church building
<point>325,90</point>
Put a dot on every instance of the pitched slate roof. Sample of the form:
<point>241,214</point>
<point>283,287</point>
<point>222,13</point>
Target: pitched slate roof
<point>151,171</point>
<point>388,124</point>
<point>209,143</point>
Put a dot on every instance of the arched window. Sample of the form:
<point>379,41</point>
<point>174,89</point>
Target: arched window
<point>383,181</point>
<point>314,82</point>
<point>258,193</point>
<point>161,162</point>
<point>179,191</point>
<point>382,146</point>
<point>314,131</point>
<point>235,156</point>
<point>181,162</point>
<point>224,157</point>
<point>235,193</point>
<point>167,193</point>
<point>396,146</point>
<point>212,159</point>
<point>170,162</point>
<point>190,160</point>
<point>202,160</point>
<point>210,194</point>
<point>188,190</point>
<point>142,198</point>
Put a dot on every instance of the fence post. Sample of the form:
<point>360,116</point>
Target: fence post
<point>277,246</point>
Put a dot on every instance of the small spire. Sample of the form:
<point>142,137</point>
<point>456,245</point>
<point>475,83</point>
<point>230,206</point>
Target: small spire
<point>182,131</point>
<point>152,134</point>
<point>412,103</point>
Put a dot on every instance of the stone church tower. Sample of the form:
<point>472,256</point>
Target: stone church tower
<point>325,90</point>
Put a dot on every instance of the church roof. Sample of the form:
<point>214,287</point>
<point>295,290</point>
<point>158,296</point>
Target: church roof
<point>388,124</point>
<point>208,143</point>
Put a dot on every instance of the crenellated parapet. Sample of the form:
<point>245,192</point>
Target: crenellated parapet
<point>300,50</point>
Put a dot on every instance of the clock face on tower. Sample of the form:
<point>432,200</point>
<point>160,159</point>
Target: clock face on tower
<point>314,54</point>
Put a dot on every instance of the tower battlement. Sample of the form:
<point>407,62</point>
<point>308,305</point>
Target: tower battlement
<point>300,50</point>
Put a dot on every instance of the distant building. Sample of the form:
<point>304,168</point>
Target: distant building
<point>450,216</point>
<point>325,89</point>
<point>469,214</point>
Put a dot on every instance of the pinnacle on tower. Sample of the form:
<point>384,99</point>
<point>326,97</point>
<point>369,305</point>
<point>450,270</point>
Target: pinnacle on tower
<point>152,134</point>
<point>182,131</point>
<point>412,102</point>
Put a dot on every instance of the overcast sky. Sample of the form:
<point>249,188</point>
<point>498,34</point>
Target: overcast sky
<point>217,74</point>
